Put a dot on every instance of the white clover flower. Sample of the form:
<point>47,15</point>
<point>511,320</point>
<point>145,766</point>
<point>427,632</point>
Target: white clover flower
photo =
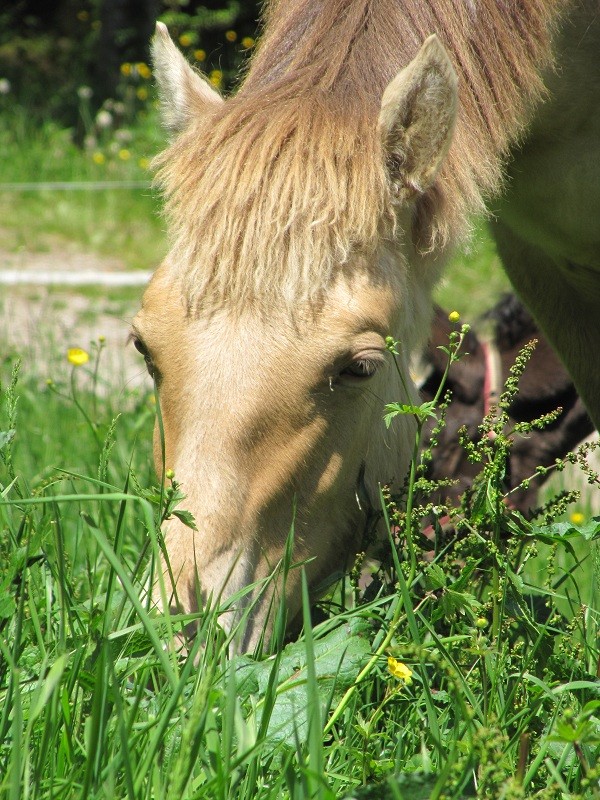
<point>5,86</point>
<point>123,135</point>
<point>84,93</point>
<point>104,119</point>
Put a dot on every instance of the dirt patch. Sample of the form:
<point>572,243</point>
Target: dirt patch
<point>40,323</point>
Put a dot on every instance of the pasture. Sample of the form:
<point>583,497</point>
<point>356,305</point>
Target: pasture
<point>467,671</point>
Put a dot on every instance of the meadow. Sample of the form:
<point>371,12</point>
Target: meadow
<point>466,669</point>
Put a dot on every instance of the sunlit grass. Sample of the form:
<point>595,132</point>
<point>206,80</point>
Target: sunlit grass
<point>469,675</point>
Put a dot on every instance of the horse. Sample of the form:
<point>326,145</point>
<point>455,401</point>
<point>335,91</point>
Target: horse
<point>310,215</point>
<point>476,381</point>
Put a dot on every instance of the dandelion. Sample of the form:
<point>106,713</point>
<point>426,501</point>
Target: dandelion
<point>143,70</point>
<point>77,356</point>
<point>49,382</point>
<point>98,158</point>
<point>231,36</point>
<point>142,93</point>
<point>186,39</point>
<point>216,78</point>
<point>125,69</point>
<point>101,339</point>
<point>170,474</point>
<point>399,670</point>
<point>454,316</point>
<point>200,55</point>
<point>247,42</point>
<point>144,163</point>
<point>577,518</point>
<point>124,154</point>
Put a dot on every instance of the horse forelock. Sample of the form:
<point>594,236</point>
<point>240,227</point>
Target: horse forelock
<point>270,202</point>
<point>271,195</point>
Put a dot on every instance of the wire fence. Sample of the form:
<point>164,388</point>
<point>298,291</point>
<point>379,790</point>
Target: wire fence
<point>45,277</point>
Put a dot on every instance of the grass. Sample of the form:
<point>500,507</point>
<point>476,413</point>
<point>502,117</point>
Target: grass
<point>121,221</point>
<point>467,671</point>
<point>502,700</point>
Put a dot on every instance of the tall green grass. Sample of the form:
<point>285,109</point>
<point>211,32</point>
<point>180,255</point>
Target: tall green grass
<point>457,673</point>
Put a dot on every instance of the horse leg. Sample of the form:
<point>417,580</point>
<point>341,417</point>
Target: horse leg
<point>564,300</point>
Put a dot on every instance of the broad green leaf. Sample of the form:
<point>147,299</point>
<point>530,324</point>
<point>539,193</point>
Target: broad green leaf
<point>338,658</point>
<point>559,531</point>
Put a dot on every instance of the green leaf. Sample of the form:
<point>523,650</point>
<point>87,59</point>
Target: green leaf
<point>436,576</point>
<point>421,412</point>
<point>560,531</point>
<point>338,659</point>
<point>186,517</point>
<point>7,606</point>
<point>409,786</point>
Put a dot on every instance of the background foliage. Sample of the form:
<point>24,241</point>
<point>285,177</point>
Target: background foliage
<point>49,50</point>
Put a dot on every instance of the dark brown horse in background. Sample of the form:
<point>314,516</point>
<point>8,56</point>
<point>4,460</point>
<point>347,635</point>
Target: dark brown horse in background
<point>475,382</point>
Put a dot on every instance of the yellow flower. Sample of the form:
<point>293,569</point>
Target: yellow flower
<point>83,16</point>
<point>577,518</point>
<point>124,154</point>
<point>143,70</point>
<point>231,36</point>
<point>186,39</point>
<point>142,93</point>
<point>247,42</point>
<point>144,163</point>
<point>216,78</point>
<point>399,670</point>
<point>454,316</point>
<point>126,69</point>
<point>98,158</point>
<point>77,356</point>
<point>200,55</point>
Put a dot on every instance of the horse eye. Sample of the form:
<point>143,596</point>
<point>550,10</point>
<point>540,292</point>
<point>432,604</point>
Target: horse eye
<point>360,368</point>
<point>141,348</point>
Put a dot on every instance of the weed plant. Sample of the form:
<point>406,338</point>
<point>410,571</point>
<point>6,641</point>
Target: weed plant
<point>452,675</point>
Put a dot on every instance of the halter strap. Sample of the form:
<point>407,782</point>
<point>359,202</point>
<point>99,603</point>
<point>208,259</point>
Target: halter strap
<point>492,382</point>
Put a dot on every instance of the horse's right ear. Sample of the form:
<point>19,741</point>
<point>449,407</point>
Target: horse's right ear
<point>184,93</point>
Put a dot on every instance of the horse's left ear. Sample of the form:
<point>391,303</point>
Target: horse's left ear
<point>184,92</point>
<point>417,117</point>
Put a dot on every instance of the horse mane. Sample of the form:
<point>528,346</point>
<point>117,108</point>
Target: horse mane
<point>271,192</point>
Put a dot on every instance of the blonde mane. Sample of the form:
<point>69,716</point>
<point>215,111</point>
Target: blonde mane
<point>270,194</point>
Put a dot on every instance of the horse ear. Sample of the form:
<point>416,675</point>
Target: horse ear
<point>183,91</point>
<point>417,117</point>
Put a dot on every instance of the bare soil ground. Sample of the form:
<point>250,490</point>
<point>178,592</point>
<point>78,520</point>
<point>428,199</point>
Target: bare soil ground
<point>42,322</point>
